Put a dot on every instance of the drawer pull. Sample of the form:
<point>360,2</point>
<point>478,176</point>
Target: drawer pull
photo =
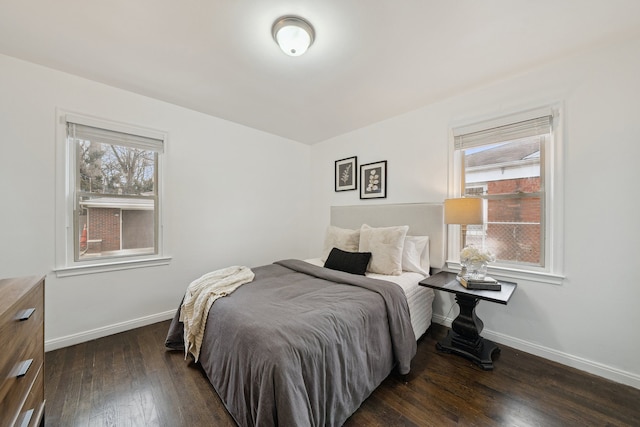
<point>27,418</point>
<point>23,368</point>
<point>26,314</point>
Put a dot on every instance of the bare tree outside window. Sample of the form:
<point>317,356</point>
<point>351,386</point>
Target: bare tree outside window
<point>112,169</point>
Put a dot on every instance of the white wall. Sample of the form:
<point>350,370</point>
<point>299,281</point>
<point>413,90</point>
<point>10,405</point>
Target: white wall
<point>590,320</point>
<point>233,195</point>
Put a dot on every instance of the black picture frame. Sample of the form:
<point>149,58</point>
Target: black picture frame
<point>346,174</point>
<point>373,180</point>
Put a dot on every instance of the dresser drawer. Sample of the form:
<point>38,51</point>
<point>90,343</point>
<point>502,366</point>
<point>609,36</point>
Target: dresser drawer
<point>14,333</point>
<point>17,389</point>
<point>21,339</point>
<point>33,409</point>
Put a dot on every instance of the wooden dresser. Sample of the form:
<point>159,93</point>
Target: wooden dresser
<point>21,351</point>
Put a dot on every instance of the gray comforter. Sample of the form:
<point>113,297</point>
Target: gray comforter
<point>303,345</point>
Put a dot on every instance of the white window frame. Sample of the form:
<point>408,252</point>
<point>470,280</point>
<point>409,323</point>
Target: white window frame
<point>553,270</point>
<point>66,167</point>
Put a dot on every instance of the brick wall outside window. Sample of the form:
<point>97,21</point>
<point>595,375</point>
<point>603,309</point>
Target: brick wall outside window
<point>104,224</point>
<point>515,223</point>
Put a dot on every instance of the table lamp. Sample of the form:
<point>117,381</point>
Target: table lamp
<point>463,211</point>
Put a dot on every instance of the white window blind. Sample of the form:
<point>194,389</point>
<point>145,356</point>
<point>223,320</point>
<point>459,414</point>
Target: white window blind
<point>105,136</point>
<point>509,132</point>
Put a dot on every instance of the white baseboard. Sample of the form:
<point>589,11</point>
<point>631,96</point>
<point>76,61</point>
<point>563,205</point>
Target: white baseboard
<point>80,337</point>
<point>567,359</point>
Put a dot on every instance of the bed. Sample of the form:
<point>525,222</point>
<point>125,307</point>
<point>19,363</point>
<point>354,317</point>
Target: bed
<point>305,345</point>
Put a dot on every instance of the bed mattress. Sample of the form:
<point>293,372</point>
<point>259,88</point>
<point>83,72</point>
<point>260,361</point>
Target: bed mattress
<point>419,298</point>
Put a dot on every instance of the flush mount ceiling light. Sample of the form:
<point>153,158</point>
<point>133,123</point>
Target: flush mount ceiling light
<point>293,34</point>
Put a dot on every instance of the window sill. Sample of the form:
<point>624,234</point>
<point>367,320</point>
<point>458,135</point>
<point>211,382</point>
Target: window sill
<point>78,270</point>
<point>516,274</point>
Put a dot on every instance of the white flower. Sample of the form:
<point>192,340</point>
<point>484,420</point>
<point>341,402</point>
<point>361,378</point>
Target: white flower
<point>473,254</point>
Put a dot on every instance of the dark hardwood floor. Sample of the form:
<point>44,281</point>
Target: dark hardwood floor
<point>129,379</point>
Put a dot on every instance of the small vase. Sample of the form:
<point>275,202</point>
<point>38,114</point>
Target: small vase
<point>476,270</point>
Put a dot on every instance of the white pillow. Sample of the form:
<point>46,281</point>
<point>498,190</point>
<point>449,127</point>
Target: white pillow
<point>415,254</point>
<point>341,238</point>
<point>385,245</point>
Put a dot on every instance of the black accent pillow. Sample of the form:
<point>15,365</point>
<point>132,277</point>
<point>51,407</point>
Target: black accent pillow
<point>349,262</point>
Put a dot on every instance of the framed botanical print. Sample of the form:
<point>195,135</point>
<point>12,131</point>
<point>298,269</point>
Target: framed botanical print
<point>347,174</point>
<point>373,180</point>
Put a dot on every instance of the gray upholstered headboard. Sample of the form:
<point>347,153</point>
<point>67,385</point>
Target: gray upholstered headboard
<point>423,219</point>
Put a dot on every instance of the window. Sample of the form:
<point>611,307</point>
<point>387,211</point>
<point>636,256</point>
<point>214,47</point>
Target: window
<point>111,194</point>
<point>509,163</point>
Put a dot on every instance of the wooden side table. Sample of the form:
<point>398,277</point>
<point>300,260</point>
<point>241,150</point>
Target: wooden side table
<point>464,337</point>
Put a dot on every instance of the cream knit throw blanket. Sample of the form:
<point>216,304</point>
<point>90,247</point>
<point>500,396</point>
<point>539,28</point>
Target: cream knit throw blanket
<point>199,297</point>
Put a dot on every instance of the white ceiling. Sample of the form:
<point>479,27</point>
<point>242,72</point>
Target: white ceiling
<point>371,59</point>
